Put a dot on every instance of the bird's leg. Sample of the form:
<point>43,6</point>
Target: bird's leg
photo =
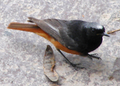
<point>91,56</point>
<point>74,65</point>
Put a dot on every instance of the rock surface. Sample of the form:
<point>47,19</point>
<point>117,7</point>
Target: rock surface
<point>21,53</point>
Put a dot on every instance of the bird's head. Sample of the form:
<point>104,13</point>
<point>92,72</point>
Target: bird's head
<point>94,29</point>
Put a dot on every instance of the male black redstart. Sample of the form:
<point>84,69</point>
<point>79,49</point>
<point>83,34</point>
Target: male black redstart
<point>72,36</point>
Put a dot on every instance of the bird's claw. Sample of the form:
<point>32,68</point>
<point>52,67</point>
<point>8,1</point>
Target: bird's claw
<point>91,56</point>
<point>76,67</point>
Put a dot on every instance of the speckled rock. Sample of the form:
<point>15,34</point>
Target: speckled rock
<point>21,53</point>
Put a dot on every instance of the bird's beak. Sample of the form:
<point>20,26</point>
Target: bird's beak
<point>104,34</point>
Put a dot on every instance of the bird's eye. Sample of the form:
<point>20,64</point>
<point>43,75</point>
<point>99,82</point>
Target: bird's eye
<point>92,29</point>
<point>85,27</point>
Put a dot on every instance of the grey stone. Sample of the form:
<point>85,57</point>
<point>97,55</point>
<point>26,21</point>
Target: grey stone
<point>21,53</point>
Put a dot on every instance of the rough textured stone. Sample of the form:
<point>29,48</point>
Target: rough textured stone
<point>21,53</point>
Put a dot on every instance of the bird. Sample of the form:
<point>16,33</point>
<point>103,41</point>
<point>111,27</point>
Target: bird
<point>72,36</point>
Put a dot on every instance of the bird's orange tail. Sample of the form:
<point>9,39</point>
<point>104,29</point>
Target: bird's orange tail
<point>24,27</point>
<point>29,28</point>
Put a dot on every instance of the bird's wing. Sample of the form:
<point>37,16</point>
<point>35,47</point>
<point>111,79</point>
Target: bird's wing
<point>58,29</point>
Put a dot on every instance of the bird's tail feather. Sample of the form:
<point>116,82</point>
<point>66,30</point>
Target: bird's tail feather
<point>24,27</point>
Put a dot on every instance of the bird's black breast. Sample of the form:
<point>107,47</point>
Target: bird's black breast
<point>87,46</point>
<point>94,43</point>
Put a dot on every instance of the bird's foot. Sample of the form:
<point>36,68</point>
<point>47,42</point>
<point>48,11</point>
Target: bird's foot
<point>91,56</point>
<point>76,66</point>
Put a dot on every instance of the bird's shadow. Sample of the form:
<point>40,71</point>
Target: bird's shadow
<point>85,62</point>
